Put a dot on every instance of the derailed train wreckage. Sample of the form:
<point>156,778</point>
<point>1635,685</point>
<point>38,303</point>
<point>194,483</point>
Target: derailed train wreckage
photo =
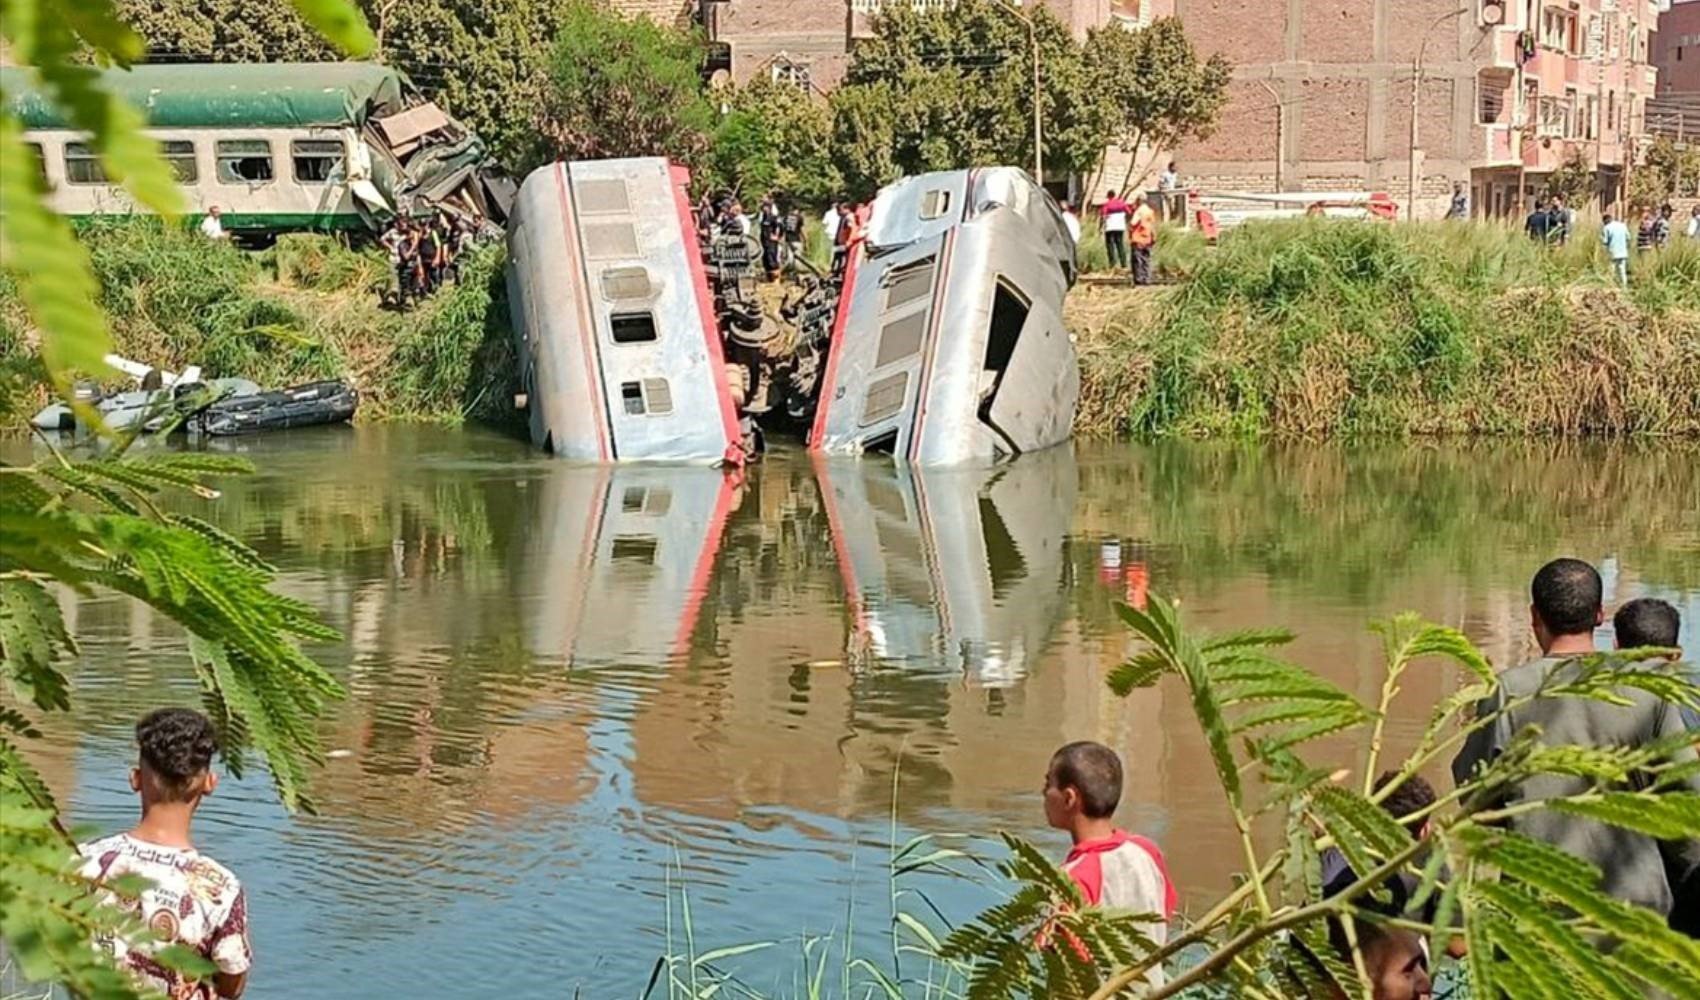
<point>940,342</point>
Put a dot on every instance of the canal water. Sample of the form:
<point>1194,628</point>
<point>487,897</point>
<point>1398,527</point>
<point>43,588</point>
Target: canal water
<point>579,697</point>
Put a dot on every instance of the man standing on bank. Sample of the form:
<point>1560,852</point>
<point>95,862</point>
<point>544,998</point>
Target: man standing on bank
<point>1142,236</point>
<point>1565,610</point>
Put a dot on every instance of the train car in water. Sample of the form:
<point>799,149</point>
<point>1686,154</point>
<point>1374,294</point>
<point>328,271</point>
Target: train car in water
<point>641,337</point>
<point>950,346</point>
<point>277,146</point>
<point>620,352</point>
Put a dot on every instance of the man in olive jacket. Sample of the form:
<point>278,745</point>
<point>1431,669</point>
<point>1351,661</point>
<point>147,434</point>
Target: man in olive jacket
<point>1565,610</point>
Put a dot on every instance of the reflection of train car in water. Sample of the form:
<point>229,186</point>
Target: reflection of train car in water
<point>943,344</point>
<point>277,146</point>
<point>625,554</point>
<point>963,565</point>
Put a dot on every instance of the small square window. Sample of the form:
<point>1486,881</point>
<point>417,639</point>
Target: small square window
<point>82,165</point>
<point>633,328</point>
<point>180,154</point>
<point>316,160</point>
<point>245,161</point>
<point>934,204</point>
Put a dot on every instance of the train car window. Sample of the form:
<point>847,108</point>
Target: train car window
<point>180,154</point>
<point>37,157</point>
<point>316,160</point>
<point>934,204</point>
<point>82,165</point>
<point>633,328</point>
<point>245,161</point>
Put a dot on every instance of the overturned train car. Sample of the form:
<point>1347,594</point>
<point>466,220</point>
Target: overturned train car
<point>640,338</point>
<point>952,347</point>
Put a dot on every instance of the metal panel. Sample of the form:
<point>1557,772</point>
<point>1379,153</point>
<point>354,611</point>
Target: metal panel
<point>610,240</point>
<point>603,197</point>
<point>657,395</point>
<point>910,282</point>
<point>626,283</point>
<point>885,398</point>
<point>901,338</point>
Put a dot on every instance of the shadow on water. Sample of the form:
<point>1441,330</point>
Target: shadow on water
<point>559,675</point>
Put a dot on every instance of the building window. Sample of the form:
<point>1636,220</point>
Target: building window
<point>1491,92</point>
<point>1558,29</point>
<point>793,74</point>
<point>82,165</point>
<point>245,161</point>
<point>180,154</point>
<point>315,160</point>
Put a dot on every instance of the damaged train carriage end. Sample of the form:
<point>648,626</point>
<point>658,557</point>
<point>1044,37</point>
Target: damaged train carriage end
<point>950,345</point>
<point>276,146</point>
<point>620,352</point>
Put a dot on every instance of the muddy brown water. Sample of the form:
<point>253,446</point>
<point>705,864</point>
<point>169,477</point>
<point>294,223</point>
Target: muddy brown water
<point>574,692</point>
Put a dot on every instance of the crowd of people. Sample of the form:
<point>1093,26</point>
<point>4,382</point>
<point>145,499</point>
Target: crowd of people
<point>1551,223</point>
<point>424,253</point>
<point>200,904</point>
<point>779,227</point>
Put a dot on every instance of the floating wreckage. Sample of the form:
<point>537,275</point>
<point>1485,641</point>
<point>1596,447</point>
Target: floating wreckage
<point>940,342</point>
<point>171,401</point>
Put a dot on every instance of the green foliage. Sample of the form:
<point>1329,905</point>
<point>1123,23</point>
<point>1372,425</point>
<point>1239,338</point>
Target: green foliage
<point>309,308</point>
<point>93,524</point>
<point>1667,171</point>
<point>1323,327</point>
<point>1161,93</point>
<point>483,60</point>
<point>1530,912</point>
<point>1573,180</point>
<point>623,86</point>
<point>774,137</point>
<point>941,89</point>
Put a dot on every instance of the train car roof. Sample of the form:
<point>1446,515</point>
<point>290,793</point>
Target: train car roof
<point>251,95</point>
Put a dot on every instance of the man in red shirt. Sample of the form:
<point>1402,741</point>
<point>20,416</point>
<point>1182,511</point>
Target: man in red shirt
<point>1112,218</point>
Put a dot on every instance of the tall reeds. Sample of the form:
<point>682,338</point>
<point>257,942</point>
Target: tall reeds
<point>1320,327</point>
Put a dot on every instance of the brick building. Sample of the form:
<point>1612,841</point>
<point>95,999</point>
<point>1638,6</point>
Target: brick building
<point>1676,50</point>
<point>808,42</point>
<point>1321,96</point>
<point>1509,90</point>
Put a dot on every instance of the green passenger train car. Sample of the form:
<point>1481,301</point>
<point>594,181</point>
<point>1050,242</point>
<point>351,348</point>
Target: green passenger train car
<point>276,146</point>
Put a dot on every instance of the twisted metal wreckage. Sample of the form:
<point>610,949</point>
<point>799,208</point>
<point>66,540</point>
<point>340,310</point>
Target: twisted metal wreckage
<point>939,341</point>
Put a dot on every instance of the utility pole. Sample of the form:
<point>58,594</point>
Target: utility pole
<point>1416,96</point>
<point>1280,133</point>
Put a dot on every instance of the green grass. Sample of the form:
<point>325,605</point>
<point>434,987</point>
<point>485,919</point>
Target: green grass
<point>1317,328</point>
<point>308,308</point>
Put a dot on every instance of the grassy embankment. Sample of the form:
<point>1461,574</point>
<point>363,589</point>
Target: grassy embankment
<point>308,308</point>
<point>1325,328</point>
<point>1296,329</point>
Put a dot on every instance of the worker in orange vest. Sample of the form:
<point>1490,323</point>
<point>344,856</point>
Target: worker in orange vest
<point>1142,236</point>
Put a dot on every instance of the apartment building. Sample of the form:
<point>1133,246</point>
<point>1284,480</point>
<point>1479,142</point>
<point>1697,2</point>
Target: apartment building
<point>1676,50</point>
<point>1322,95</point>
<point>808,42</point>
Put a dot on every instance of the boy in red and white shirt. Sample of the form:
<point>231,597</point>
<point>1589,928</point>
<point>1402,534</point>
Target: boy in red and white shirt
<point>1113,868</point>
<point>191,899</point>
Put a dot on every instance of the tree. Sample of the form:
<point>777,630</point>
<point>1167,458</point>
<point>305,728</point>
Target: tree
<point>1161,92</point>
<point>95,525</point>
<point>622,86</point>
<point>485,61</point>
<point>1668,171</point>
<point>942,89</point>
<point>1574,180</point>
<point>774,137</point>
